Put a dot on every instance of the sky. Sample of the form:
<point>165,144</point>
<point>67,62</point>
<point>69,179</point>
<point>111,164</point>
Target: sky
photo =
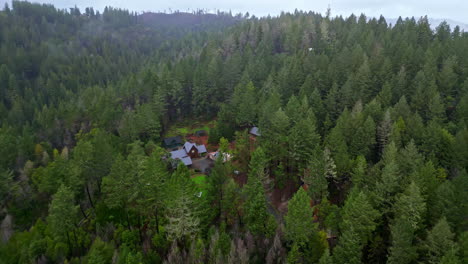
<point>447,9</point>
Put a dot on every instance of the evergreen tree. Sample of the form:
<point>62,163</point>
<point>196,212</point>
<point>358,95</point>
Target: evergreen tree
<point>359,221</point>
<point>315,176</point>
<point>183,208</point>
<point>439,241</point>
<point>299,219</point>
<point>409,214</point>
<point>63,216</point>
<point>257,218</point>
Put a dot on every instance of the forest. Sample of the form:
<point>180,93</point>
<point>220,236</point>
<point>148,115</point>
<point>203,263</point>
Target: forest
<point>361,154</point>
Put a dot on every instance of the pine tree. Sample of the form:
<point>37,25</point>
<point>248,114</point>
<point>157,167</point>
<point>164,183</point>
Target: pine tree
<point>339,150</point>
<point>363,83</point>
<point>258,167</point>
<point>275,137</point>
<point>439,241</point>
<point>447,78</point>
<point>358,175</point>
<point>326,257</point>
<point>315,177</point>
<point>303,138</point>
<point>389,185</point>
<point>7,186</point>
<point>242,151</point>
<point>409,212</point>
<point>349,248</point>
<point>246,104</point>
<point>257,218</point>
<point>217,180</point>
<point>359,221</point>
<point>63,215</point>
<point>384,131</point>
<point>299,219</point>
<point>100,252</point>
<point>184,221</point>
<point>451,257</point>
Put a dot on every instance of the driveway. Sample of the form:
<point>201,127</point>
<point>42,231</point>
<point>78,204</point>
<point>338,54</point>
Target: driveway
<point>202,164</point>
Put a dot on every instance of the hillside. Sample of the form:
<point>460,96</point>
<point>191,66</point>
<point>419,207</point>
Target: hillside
<point>434,22</point>
<point>203,138</point>
<point>196,21</point>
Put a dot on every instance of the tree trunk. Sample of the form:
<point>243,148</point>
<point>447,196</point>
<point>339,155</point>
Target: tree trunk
<point>89,196</point>
<point>69,244</point>
<point>128,220</point>
<point>83,212</point>
<point>157,220</point>
<point>139,229</point>
<point>98,183</point>
<point>219,203</point>
<point>76,242</point>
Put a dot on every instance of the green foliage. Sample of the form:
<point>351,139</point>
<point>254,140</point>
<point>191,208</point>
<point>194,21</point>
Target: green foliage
<point>183,208</point>
<point>258,220</point>
<point>242,149</point>
<point>245,105</point>
<point>409,212</point>
<point>321,167</point>
<point>300,229</point>
<point>62,215</point>
<point>100,252</point>
<point>359,221</point>
<point>439,242</point>
<point>372,118</point>
<point>299,225</point>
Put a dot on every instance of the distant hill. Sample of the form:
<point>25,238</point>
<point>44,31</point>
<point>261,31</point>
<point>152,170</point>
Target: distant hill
<point>190,20</point>
<point>453,23</point>
<point>436,22</point>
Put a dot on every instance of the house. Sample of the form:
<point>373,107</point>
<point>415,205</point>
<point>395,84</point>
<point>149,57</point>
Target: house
<point>188,152</point>
<point>193,150</point>
<point>255,131</point>
<point>181,155</point>
<point>200,133</point>
<point>173,142</point>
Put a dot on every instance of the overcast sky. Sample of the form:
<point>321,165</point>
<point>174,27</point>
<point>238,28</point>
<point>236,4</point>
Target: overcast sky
<point>449,9</point>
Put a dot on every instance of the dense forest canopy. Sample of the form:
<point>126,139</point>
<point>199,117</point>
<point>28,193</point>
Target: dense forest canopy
<point>361,152</point>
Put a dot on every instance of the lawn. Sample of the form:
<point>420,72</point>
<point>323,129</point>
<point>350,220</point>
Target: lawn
<point>200,180</point>
<point>186,127</point>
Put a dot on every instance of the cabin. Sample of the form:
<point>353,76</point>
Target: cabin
<point>188,152</point>
<point>254,131</point>
<point>172,142</point>
<point>181,155</point>
<point>193,150</point>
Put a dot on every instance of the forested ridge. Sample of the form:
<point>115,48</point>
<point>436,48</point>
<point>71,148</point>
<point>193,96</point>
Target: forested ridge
<point>361,155</point>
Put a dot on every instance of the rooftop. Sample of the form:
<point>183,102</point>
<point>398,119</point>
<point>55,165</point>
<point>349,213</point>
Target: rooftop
<point>255,131</point>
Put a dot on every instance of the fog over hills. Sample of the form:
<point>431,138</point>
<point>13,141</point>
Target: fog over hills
<point>435,22</point>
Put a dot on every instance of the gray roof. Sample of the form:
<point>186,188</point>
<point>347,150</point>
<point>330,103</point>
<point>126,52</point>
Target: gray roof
<point>181,155</point>
<point>255,131</point>
<point>178,154</point>
<point>187,161</point>
<point>201,148</point>
<point>188,146</point>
